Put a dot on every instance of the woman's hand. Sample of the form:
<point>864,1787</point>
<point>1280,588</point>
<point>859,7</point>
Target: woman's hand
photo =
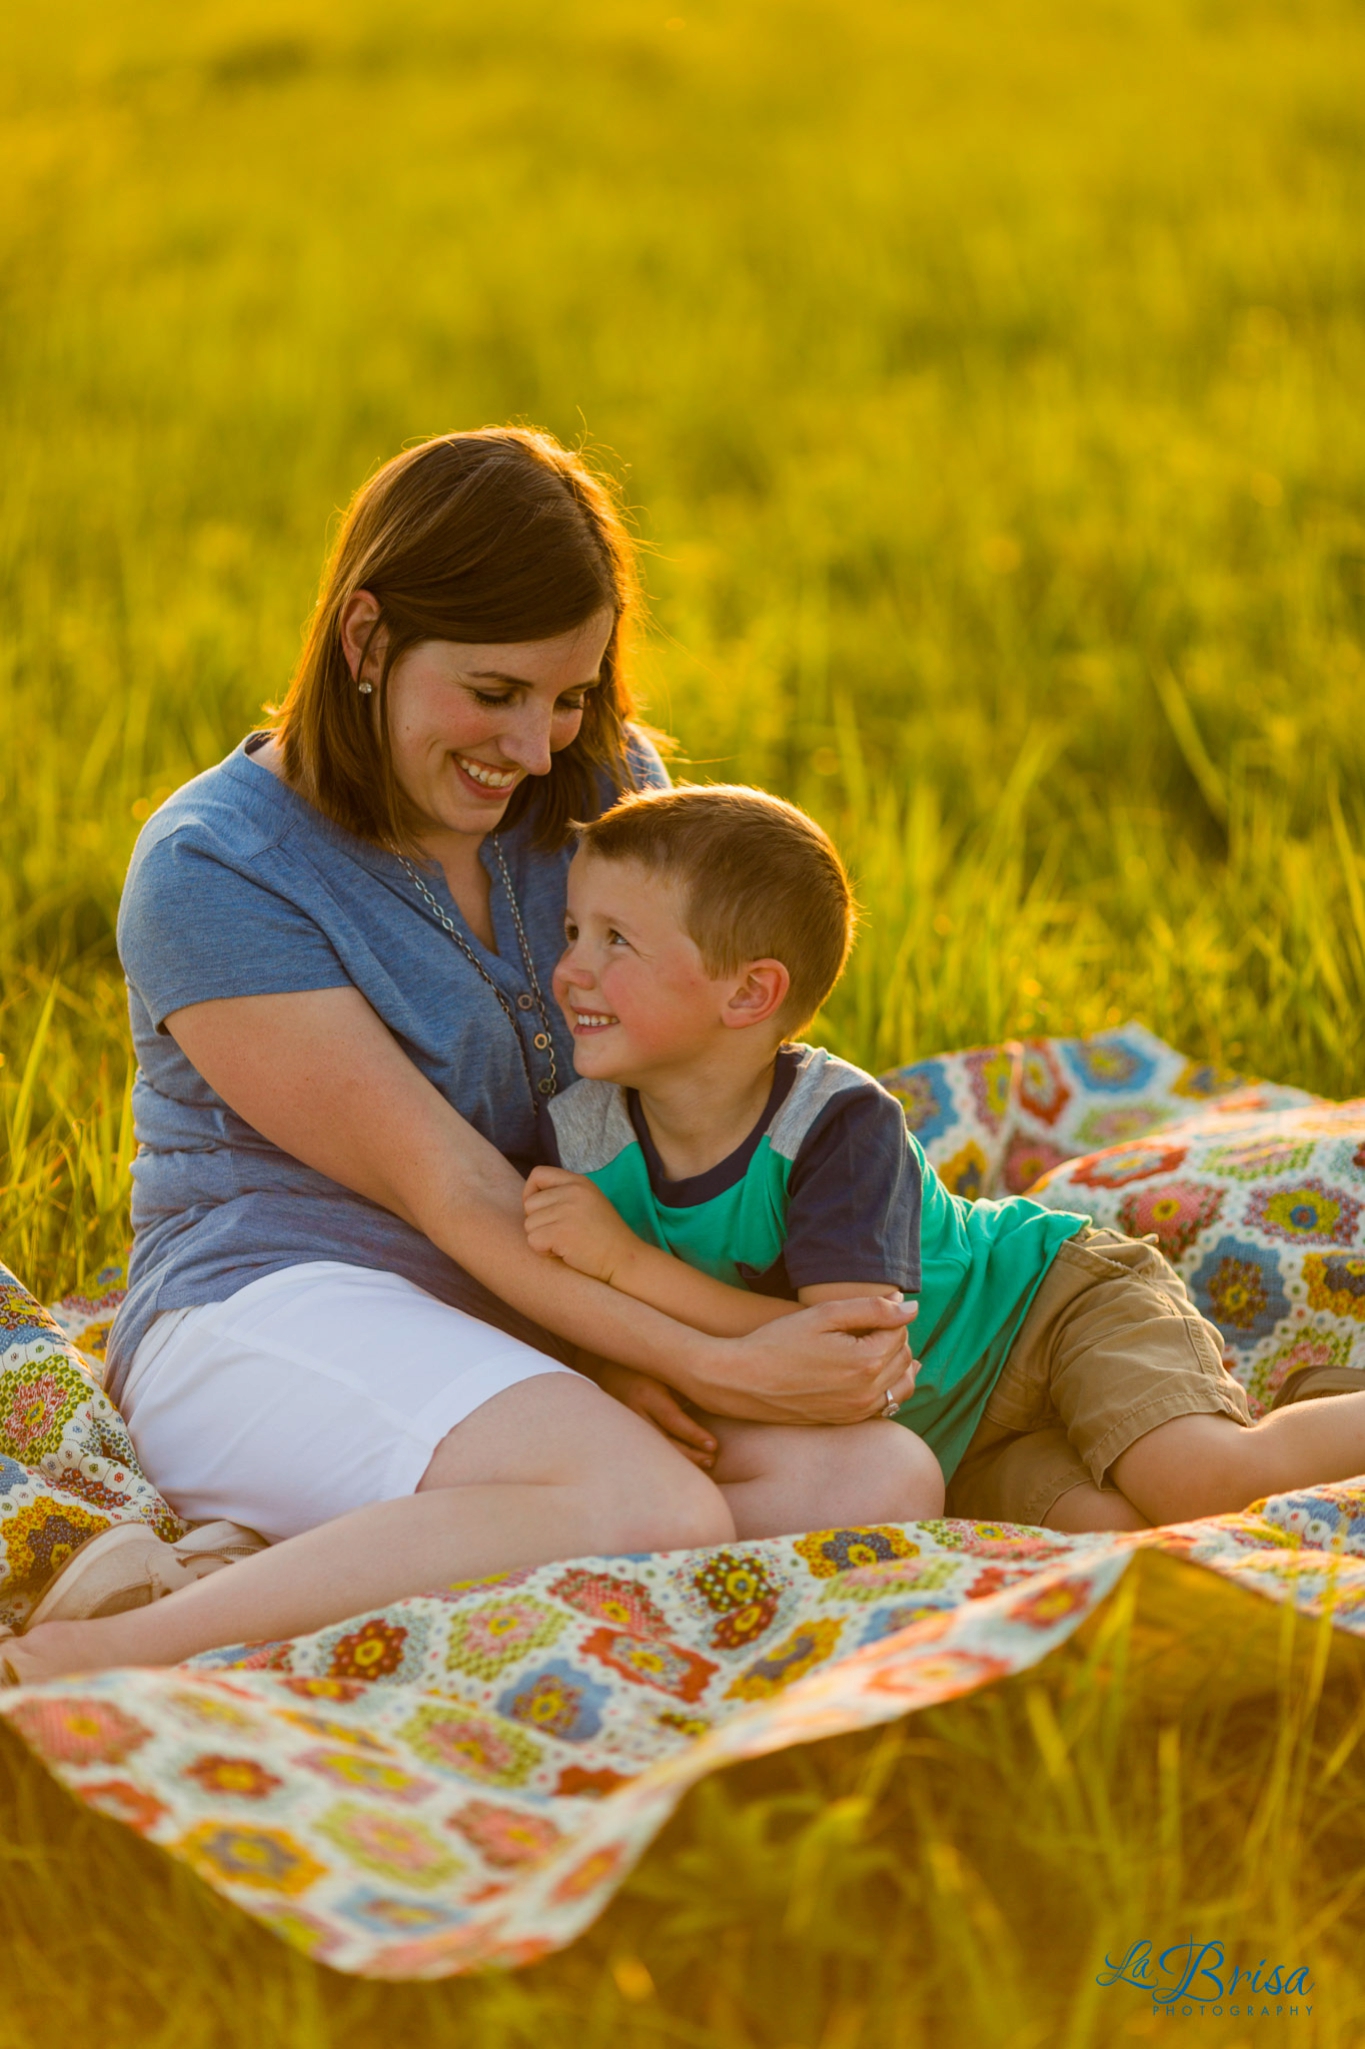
<point>569,1218</point>
<point>837,1362</point>
<point>657,1404</point>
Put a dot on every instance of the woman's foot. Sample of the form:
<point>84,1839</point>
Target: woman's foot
<point>54,1650</point>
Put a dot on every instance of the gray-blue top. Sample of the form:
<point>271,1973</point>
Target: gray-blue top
<point>240,887</point>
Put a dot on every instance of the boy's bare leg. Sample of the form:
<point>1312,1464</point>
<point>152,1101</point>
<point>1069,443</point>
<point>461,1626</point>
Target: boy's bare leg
<point>1086,1508</point>
<point>1211,1465</point>
<point>781,1479</point>
<point>551,1468</point>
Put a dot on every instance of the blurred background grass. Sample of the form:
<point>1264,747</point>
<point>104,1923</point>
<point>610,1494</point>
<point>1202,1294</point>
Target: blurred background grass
<point>986,382</point>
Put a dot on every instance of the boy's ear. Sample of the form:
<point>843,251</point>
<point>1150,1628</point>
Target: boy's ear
<point>759,992</point>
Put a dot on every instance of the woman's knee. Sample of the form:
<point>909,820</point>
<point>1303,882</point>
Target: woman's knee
<point>911,1472</point>
<point>649,1497</point>
<point>637,1492</point>
<point>892,1470</point>
<point>686,1511</point>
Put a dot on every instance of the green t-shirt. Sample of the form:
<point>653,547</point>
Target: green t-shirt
<point>830,1186</point>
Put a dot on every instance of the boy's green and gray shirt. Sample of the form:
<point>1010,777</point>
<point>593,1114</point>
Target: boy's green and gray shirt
<point>830,1186</point>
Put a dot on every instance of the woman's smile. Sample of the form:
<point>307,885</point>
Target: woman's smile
<point>488,781</point>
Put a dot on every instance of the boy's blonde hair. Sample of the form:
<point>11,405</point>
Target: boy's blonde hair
<point>762,880</point>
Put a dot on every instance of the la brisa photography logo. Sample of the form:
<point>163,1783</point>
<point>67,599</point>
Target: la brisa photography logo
<point>1197,1979</point>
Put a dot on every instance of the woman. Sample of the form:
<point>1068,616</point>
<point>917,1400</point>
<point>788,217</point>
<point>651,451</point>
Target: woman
<point>338,945</point>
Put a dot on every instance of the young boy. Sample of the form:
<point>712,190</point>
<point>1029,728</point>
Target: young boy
<point>711,1167</point>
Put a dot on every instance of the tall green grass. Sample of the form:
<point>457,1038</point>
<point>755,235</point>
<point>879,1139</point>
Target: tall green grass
<point>985,382</point>
<point>985,385</point>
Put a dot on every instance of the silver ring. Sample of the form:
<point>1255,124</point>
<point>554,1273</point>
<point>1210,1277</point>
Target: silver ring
<point>892,1404</point>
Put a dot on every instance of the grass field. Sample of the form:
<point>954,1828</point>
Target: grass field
<point>986,381</point>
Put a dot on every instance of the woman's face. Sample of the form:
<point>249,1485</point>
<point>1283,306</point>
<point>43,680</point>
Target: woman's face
<point>467,723</point>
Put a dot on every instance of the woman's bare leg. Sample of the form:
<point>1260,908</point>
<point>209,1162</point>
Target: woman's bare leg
<point>781,1479</point>
<point>551,1468</point>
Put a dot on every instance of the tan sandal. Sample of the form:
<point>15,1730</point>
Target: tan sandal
<point>1315,1383</point>
<point>129,1566</point>
<point>207,1546</point>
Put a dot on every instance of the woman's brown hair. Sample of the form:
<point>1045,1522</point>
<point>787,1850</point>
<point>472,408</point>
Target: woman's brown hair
<point>493,536</point>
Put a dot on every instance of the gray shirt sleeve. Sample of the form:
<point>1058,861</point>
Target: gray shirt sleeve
<point>855,1197</point>
<point>194,926</point>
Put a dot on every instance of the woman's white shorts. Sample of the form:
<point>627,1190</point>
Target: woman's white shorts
<point>309,1393</point>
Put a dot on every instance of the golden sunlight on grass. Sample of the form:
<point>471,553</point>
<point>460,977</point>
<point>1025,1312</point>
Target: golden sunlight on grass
<point>987,384</point>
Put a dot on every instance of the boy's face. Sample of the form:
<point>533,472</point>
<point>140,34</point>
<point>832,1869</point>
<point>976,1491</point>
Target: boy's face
<point>631,982</point>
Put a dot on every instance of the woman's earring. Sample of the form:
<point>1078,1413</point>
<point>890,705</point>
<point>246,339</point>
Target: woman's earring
<point>365,688</point>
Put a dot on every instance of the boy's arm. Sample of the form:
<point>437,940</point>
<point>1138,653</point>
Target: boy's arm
<point>568,1218</point>
<point>665,1282</point>
<point>844,1291</point>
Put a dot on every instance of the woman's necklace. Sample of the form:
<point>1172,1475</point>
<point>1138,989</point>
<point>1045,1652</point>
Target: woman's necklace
<point>544,1039</point>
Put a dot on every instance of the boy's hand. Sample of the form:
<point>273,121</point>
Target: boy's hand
<point>568,1218</point>
<point>658,1405</point>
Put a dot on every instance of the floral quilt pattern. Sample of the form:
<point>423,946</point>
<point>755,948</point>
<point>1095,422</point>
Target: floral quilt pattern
<point>995,1119</point>
<point>1260,1210</point>
<point>465,1778</point>
<point>67,1465</point>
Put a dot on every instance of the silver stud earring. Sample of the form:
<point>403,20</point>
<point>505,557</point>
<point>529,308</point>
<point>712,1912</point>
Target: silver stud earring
<point>366,689</point>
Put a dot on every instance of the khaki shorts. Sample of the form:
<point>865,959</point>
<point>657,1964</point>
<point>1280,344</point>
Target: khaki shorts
<point>1112,1345</point>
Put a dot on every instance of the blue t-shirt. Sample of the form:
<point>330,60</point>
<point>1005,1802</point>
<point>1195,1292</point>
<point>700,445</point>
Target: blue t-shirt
<point>240,887</point>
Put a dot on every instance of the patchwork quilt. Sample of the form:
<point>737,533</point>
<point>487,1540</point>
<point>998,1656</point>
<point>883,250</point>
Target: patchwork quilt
<point>464,1778</point>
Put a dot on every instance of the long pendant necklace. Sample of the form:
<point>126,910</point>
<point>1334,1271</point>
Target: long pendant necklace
<point>544,1038</point>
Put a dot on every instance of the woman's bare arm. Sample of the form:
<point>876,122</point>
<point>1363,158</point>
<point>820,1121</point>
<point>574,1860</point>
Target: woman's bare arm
<point>321,1076</point>
<point>569,1219</point>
